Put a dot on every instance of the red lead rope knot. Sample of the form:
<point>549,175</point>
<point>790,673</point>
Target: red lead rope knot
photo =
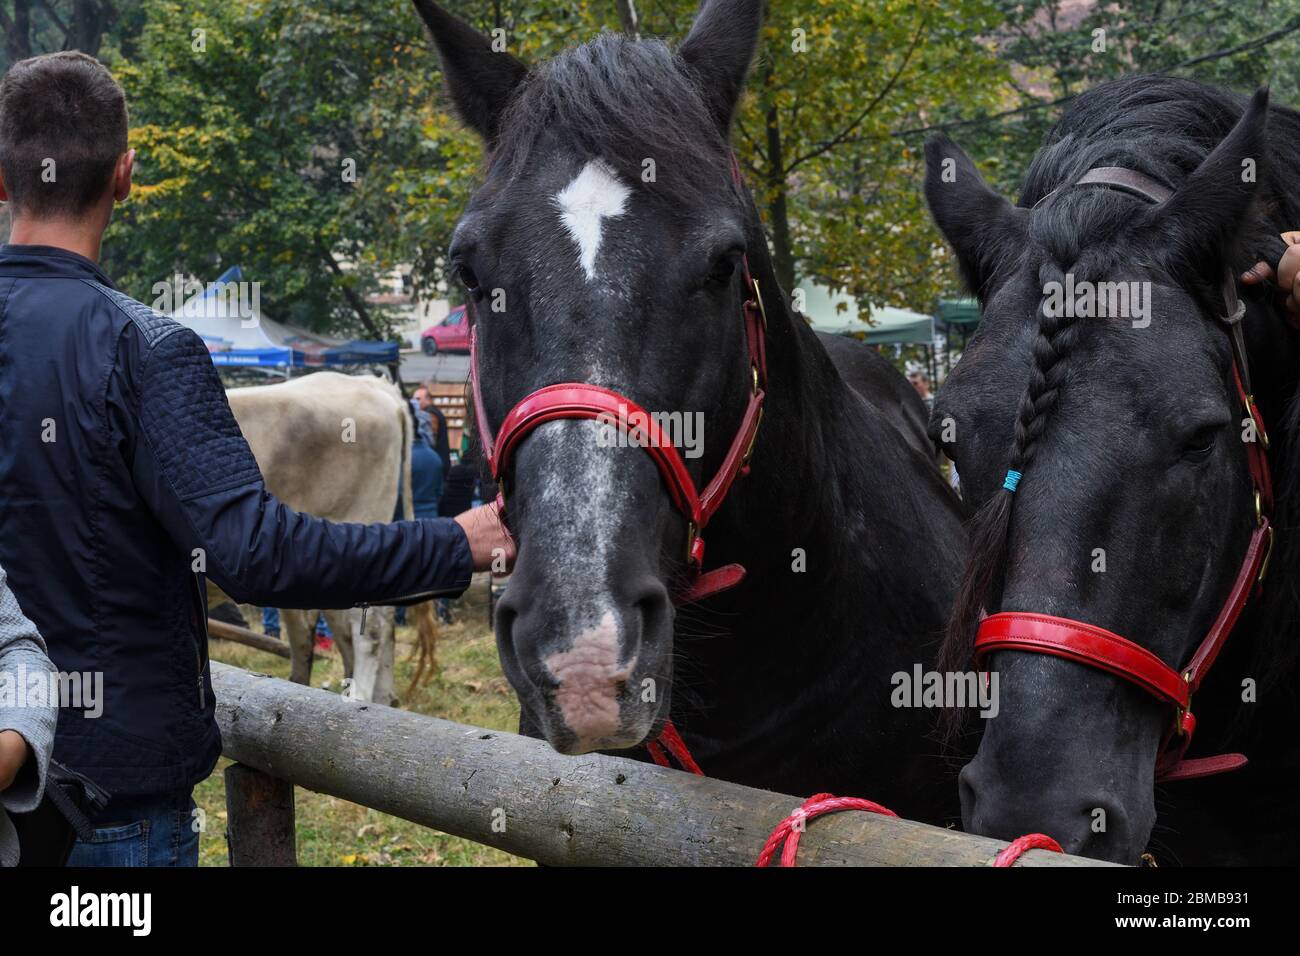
<point>1021,845</point>
<point>791,828</point>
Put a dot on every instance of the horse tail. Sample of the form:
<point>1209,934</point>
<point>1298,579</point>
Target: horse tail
<point>426,631</point>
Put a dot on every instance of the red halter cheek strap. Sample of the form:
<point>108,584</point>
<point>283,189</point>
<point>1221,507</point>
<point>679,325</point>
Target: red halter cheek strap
<point>1104,650</point>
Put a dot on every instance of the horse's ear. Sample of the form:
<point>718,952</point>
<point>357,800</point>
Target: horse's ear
<point>719,49</point>
<point>1203,219</point>
<point>979,223</point>
<point>480,79</point>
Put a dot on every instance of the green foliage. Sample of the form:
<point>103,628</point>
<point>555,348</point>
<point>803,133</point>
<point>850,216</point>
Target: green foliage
<point>249,116</point>
<point>1058,48</point>
<point>243,144</point>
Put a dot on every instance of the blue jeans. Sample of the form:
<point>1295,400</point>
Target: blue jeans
<point>143,831</point>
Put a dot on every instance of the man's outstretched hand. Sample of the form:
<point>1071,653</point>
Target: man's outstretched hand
<point>1287,275</point>
<point>489,542</point>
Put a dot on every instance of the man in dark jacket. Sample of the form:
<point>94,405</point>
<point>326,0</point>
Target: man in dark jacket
<point>125,480</point>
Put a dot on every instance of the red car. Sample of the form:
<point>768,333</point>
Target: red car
<point>449,335</point>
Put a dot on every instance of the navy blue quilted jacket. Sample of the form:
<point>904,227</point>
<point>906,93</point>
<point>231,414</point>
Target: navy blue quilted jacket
<point>121,471</point>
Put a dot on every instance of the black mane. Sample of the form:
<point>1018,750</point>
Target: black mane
<point>1163,126</point>
<point>624,101</point>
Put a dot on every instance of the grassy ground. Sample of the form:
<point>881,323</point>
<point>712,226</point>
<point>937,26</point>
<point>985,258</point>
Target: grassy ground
<point>468,688</point>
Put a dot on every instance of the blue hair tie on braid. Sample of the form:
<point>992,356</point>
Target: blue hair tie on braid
<point>1013,479</point>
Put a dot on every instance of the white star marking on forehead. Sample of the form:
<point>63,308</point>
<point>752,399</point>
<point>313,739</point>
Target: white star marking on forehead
<point>596,194</point>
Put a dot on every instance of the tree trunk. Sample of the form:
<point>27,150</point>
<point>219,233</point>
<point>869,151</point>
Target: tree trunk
<point>18,32</point>
<point>90,18</point>
<point>628,17</point>
<point>356,301</point>
<point>777,210</point>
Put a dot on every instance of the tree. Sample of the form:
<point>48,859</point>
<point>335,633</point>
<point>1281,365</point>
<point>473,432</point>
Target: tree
<point>1058,48</point>
<point>263,128</point>
<point>45,26</point>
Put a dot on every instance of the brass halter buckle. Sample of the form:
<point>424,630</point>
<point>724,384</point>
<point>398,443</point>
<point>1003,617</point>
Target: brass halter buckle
<point>758,301</point>
<point>692,533</point>
<point>1179,728</point>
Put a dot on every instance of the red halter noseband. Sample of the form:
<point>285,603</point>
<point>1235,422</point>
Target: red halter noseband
<point>1104,650</point>
<point>581,400</point>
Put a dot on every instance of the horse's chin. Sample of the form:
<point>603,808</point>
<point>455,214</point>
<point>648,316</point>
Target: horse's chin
<point>563,739</point>
<point>575,747</point>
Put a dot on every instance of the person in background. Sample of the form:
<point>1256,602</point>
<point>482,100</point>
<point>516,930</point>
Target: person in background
<point>26,727</point>
<point>441,443</point>
<point>921,382</point>
<point>427,469</point>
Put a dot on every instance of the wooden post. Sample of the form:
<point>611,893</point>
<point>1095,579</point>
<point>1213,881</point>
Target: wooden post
<point>259,819</point>
<point>519,795</point>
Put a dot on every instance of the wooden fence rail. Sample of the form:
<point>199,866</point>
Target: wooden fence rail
<point>242,635</point>
<point>518,795</point>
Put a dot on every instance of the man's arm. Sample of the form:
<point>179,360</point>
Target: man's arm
<point>197,473</point>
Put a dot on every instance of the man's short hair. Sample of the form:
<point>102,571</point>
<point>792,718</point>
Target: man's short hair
<point>65,108</point>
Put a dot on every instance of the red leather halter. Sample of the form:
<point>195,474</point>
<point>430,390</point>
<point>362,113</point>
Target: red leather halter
<point>1102,649</point>
<point>582,400</point>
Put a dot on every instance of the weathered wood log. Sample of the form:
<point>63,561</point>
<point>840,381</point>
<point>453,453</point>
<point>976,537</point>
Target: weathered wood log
<point>260,827</point>
<point>518,795</point>
<point>242,635</point>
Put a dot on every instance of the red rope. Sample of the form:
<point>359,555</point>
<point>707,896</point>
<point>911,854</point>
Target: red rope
<point>790,829</point>
<point>672,740</point>
<point>1021,845</point>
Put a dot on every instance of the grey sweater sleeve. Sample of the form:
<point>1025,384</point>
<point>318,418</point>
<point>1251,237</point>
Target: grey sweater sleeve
<point>23,661</point>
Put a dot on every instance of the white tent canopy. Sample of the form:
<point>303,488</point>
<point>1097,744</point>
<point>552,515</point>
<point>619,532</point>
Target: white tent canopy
<point>837,314</point>
<point>227,314</point>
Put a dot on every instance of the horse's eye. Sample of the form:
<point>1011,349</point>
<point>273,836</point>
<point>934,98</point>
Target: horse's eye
<point>724,267</point>
<point>1201,444</point>
<point>467,278</point>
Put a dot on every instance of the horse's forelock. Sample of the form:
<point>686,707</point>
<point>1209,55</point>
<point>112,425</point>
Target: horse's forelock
<point>624,101</point>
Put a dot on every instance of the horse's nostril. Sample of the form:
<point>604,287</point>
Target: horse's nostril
<point>655,611</point>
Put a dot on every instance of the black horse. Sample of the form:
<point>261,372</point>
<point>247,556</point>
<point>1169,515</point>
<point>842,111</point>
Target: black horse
<point>612,234</point>
<point>1136,502</point>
